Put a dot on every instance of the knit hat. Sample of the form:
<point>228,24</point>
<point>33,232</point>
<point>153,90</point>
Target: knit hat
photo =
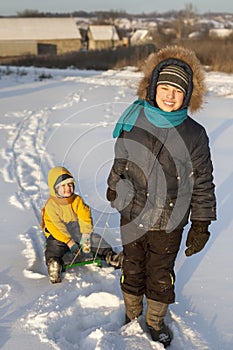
<point>64,179</point>
<point>174,75</point>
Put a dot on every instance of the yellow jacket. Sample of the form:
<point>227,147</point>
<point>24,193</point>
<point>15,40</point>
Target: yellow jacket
<point>59,213</point>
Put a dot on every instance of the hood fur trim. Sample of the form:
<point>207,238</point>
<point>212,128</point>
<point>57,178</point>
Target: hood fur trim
<point>186,55</point>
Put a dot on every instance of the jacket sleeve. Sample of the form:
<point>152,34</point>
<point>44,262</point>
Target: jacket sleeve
<point>203,202</point>
<point>83,213</point>
<point>54,224</point>
<point>119,163</point>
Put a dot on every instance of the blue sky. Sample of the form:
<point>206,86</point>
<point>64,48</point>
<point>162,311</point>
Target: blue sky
<point>11,7</point>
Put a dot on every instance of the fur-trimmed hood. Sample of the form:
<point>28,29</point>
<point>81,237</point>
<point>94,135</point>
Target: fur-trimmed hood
<point>197,87</point>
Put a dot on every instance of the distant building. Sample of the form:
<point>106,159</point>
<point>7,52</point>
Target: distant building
<point>140,36</point>
<point>35,36</point>
<point>101,37</point>
<point>195,35</point>
<point>220,33</point>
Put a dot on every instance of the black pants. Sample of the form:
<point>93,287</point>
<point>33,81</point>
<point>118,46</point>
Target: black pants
<point>56,249</point>
<point>148,266</point>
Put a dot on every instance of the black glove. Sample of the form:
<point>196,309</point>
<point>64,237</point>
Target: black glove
<point>198,236</point>
<point>111,195</point>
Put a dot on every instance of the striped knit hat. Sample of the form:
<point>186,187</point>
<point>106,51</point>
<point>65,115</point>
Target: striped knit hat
<point>175,76</point>
<point>64,179</point>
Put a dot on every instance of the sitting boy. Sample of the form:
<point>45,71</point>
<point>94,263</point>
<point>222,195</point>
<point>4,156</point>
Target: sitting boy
<point>66,220</point>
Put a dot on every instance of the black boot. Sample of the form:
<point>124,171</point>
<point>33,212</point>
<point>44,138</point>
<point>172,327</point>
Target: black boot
<point>163,335</point>
<point>127,319</point>
<point>54,270</point>
<point>156,311</point>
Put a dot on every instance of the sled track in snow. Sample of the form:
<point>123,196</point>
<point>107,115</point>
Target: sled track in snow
<point>27,149</point>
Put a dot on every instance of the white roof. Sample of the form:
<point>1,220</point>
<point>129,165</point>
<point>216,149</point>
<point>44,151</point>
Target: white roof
<point>103,32</point>
<point>139,35</point>
<point>38,28</point>
<point>221,32</point>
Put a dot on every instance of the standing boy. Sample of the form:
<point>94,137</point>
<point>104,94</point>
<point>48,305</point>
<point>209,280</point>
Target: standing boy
<point>160,178</point>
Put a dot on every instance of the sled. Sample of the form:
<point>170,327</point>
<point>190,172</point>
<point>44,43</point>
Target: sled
<point>81,261</point>
<point>97,261</point>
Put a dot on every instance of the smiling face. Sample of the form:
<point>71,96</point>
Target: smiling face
<point>169,98</point>
<point>65,190</point>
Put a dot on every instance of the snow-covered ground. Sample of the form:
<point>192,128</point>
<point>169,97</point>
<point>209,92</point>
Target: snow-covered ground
<point>68,120</point>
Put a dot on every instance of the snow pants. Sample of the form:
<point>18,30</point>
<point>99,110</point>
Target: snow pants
<point>148,265</point>
<point>56,249</point>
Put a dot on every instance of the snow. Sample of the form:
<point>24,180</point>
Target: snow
<point>68,120</point>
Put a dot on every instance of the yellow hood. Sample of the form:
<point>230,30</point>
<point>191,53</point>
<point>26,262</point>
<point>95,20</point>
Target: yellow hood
<point>54,175</point>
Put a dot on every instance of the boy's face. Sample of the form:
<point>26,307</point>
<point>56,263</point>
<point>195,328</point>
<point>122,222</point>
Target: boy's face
<point>169,98</point>
<point>65,190</point>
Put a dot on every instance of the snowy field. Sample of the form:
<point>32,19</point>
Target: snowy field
<point>67,120</point>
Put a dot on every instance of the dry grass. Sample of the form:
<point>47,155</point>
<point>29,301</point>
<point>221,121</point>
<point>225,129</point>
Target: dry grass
<point>217,54</point>
<point>98,60</point>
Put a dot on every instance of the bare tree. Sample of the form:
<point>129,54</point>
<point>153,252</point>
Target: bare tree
<point>30,13</point>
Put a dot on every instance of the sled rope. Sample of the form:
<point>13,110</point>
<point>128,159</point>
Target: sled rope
<point>75,257</point>
<point>100,241</point>
<point>105,226</point>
